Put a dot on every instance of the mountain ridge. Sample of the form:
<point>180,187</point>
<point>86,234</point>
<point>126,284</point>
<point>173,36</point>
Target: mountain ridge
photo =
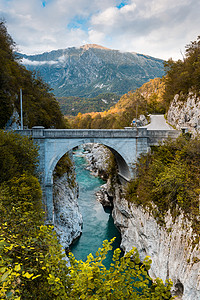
<point>92,69</point>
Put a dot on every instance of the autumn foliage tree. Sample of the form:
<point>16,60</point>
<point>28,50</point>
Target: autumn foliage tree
<point>183,76</point>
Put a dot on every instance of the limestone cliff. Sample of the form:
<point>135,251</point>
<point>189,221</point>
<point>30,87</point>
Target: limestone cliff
<point>172,252</point>
<point>67,217</point>
<point>185,112</point>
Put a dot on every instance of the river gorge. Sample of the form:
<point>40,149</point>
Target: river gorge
<point>170,249</point>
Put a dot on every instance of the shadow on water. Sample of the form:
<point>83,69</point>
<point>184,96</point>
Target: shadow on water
<point>98,224</point>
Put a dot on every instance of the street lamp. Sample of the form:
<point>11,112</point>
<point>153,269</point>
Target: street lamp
<point>21,109</point>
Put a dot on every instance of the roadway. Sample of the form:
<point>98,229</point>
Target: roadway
<point>158,122</point>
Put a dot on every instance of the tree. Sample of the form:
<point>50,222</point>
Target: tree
<point>17,155</point>
<point>37,275</point>
<point>127,278</point>
<point>39,105</point>
<point>183,76</point>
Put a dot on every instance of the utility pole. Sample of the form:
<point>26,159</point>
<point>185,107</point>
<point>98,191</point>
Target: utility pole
<point>21,109</point>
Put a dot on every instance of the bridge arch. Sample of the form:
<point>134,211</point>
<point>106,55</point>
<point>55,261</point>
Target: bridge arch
<point>121,159</point>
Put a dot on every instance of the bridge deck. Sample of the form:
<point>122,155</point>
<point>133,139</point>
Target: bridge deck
<point>140,132</point>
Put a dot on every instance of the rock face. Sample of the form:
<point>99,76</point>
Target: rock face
<point>91,70</point>
<point>171,250</point>
<point>185,113</point>
<point>67,217</point>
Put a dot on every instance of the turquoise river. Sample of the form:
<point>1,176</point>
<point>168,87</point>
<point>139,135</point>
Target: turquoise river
<point>98,225</point>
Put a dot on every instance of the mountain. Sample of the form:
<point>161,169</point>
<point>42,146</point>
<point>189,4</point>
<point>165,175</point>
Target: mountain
<point>91,70</point>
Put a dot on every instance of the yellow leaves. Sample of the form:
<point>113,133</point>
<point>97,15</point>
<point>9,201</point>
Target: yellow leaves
<point>27,275</point>
<point>10,247</point>
<point>34,277</point>
<point>17,268</point>
<point>57,279</point>
<point>91,286</point>
<point>2,243</point>
<point>2,270</point>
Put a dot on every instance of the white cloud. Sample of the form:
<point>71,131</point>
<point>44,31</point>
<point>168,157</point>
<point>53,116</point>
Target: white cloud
<point>158,28</point>
<point>96,37</point>
<point>26,61</point>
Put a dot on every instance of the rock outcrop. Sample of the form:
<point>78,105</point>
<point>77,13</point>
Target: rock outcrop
<point>185,113</point>
<point>171,249</point>
<point>67,217</point>
<point>14,121</point>
<point>97,157</point>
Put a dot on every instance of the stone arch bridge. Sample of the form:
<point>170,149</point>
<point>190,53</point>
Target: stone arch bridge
<point>126,145</point>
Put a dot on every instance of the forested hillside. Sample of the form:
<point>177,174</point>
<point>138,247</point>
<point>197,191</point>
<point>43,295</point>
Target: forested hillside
<point>29,251</point>
<point>73,105</point>
<point>145,100</point>
<point>39,105</point>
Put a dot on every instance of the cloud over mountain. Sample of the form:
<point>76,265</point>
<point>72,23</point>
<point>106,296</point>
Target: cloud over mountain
<point>158,28</point>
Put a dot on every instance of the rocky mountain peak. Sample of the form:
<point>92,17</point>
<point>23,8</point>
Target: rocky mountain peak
<point>93,46</point>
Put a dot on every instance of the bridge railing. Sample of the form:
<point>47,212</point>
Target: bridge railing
<point>157,136</point>
<point>153,136</point>
<point>40,132</point>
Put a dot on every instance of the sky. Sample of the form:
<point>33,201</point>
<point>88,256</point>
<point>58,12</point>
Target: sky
<point>159,28</point>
